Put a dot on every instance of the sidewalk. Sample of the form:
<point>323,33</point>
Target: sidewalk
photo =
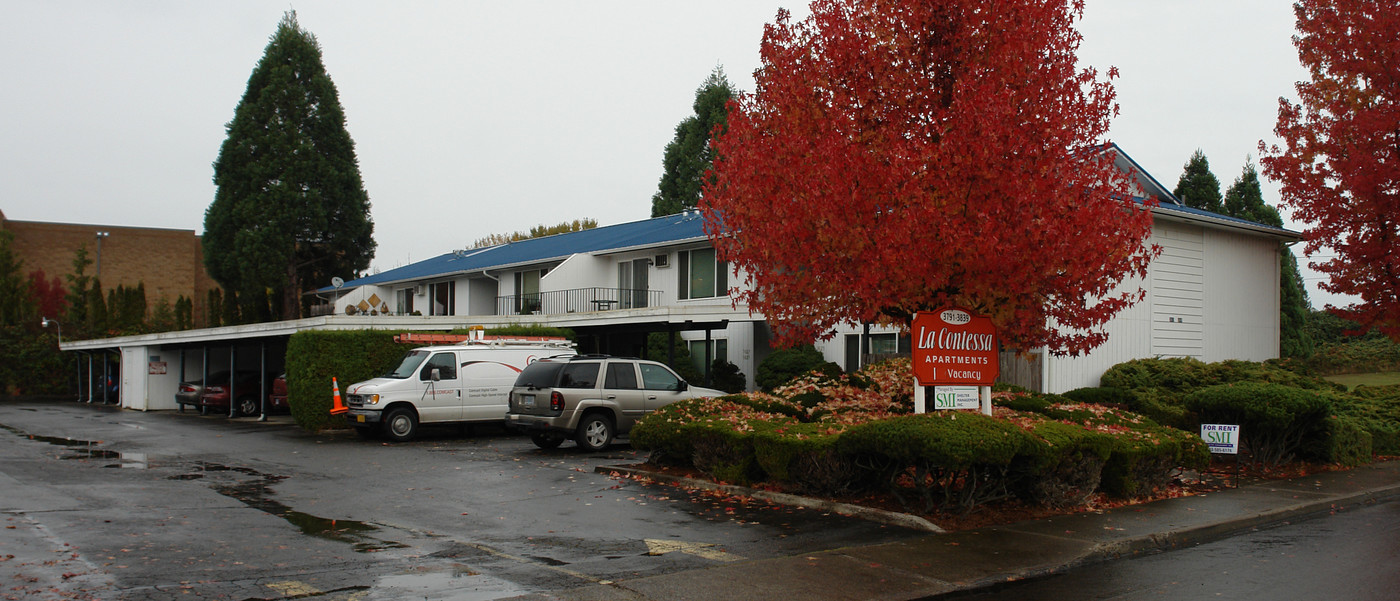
<point>945,563</point>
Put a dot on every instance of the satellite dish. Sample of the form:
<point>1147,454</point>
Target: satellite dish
<point>337,281</point>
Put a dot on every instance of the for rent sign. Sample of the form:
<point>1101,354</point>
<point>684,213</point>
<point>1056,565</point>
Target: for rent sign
<point>953,346</point>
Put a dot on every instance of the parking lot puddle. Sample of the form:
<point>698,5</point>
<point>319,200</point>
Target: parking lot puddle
<point>85,449</point>
<point>258,495</point>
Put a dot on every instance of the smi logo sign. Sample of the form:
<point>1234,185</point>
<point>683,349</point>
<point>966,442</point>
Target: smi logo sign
<point>953,346</point>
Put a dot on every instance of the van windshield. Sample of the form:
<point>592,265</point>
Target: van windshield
<point>408,366</point>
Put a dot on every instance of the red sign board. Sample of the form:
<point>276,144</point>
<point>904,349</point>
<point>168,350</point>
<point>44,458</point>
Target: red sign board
<point>953,346</point>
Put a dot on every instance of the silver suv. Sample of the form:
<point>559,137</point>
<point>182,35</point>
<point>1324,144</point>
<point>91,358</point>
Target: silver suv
<point>591,398</point>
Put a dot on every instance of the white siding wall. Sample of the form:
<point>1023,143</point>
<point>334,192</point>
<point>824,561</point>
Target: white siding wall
<point>1129,337</point>
<point>1241,316</point>
<point>1178,290</point>
<point>481,296</point>
<point>579,271</point>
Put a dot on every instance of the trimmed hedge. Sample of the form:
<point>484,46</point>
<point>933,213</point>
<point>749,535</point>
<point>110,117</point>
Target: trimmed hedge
<point>313,357</point>
<point>1276,421</point>
<point>1377,410</point>
<point>1061,465</point>
<point>948,459</point>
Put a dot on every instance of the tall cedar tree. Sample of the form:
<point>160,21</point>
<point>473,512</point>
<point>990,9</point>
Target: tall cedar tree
<point>900,156</point>
<point>689,156</point>
<point>1245,199</point>
<point>1340,168</point>
<point>1198,187</point>
<point>290,211</point>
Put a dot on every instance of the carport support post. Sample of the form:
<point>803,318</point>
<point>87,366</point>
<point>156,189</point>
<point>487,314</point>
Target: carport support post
<point>232,377</point>
<point>262,379</point>
<point>89,378</point>
<point>181,406</point>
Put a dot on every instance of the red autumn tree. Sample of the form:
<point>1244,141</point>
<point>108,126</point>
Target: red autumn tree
<point>899,156</point>
<point>1340,170</point>
<point>48,294</point>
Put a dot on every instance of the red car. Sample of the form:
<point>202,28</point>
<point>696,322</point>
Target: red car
<point>215,396</point>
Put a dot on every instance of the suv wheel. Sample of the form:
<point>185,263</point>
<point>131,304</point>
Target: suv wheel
<point>401,425</point>
<point>547,440</point>
<point>247,406</point>
<point>594,432</point>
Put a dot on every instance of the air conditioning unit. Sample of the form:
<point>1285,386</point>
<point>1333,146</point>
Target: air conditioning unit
<point>661,261</point>
<point>418,290</point>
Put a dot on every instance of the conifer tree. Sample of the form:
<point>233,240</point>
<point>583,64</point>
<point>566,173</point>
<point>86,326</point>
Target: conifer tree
<point>290,210</point>
<point>1198,187</point>
<point>689,155</point>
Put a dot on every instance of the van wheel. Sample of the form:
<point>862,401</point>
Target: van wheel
<point>547,440</point>
<point>247,406</point>
<point>401,425</point>
<point>594,432</point>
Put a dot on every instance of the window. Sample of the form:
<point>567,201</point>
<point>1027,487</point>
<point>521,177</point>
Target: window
<point>701,274</point>
<point>404,301</point>
<point>444,298</point>
<point>579,375</point>
<point>445,363</point>
<point>656,377</point>
<point>527,291</point>
<point>719,352</point>
<point>621,376</point>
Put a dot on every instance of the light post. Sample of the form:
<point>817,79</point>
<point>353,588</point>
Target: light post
<point>44,321</point>
<point>100,236</point>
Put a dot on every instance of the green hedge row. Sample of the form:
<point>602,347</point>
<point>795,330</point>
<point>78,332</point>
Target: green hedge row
<point>1058,456</point>
<point>314,357</point>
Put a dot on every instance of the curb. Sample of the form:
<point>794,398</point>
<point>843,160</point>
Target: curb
<point>880,516</point>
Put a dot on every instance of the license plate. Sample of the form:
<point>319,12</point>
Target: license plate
<point>527,400</point>
<point>360,418</point>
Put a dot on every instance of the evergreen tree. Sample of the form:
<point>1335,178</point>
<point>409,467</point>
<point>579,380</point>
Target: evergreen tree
<point>1244,199</point>
<point>78,283</point>
<point>290,210</point>
<point>96,309</point>
<point>1198,187</point>
<point>15,302</point>
<point>689,155</point>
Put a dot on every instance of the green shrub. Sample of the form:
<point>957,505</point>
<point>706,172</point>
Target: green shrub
<point>1175,373</point>
<point>1061,465</point>
<point>1377,410</point>
<point>1275,420</point>
<point>1145,458</point>
<point>1360,356</point>
<point>1343,441</point>
<point>1104,395</point>
<point>723,452</point>
<point>314,357</point>
<point>727,377</point>
<point>783,365</point>
<point>804,458</point>
<point>950,460</point>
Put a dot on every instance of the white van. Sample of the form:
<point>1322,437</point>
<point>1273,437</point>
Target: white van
<point>459,383</point>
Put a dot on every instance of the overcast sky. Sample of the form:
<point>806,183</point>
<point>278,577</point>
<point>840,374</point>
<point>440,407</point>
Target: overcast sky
<point>472,117</point>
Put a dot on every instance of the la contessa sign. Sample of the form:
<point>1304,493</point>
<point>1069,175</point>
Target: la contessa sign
<point>953,346</point>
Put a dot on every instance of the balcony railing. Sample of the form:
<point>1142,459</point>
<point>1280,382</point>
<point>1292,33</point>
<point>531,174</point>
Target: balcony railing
<point>577,300</point>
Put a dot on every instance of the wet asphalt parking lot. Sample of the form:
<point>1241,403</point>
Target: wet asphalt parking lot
<point>103,503</point>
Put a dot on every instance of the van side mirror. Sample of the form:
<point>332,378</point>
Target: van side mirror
<point>436,374</point>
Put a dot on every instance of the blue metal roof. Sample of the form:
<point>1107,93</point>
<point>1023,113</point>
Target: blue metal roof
<point>659,231</point>
<point>679,228</point>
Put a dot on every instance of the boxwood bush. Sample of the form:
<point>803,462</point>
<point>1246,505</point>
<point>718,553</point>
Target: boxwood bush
<point>1377,410</point>
<point>1061,465</point>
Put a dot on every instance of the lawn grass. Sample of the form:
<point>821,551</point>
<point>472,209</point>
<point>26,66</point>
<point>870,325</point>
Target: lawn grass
<point>1376,379</point>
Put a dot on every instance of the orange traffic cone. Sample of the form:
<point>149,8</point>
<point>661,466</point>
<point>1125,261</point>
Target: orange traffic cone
<point>338,407</point>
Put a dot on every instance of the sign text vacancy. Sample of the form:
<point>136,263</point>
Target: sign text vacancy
<point>953,346</point>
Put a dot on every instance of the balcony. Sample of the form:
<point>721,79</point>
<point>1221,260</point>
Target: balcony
<point>578,300</point>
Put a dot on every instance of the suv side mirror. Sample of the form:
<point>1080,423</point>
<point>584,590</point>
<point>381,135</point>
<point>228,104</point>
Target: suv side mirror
<point>682,386</point>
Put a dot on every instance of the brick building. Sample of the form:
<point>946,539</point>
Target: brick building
<point>169,262</point>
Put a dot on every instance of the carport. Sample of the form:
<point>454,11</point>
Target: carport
<point>150,367</point>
